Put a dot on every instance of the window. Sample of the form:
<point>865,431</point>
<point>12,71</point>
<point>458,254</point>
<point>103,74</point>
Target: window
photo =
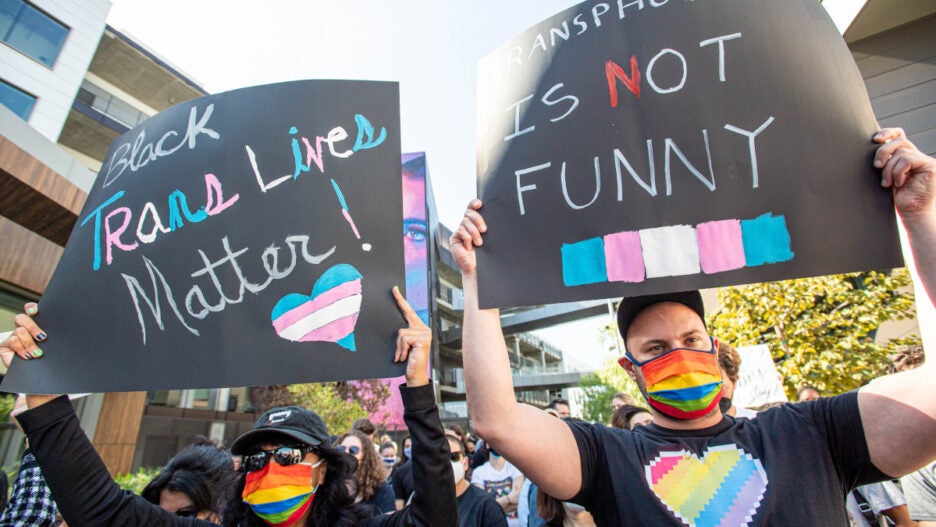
<point>20,102</point>
<point>30,31</point>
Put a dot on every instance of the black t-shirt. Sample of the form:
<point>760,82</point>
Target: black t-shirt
<point>382,500</point>
<point>791,465</point>
<point>477,508</point>
<point>403,481</point>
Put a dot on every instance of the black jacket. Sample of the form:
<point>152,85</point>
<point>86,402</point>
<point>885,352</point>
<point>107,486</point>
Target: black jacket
<point>88,496</point>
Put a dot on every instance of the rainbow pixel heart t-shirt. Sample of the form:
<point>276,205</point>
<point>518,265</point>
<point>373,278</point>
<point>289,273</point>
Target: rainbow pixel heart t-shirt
<point>791,465</point>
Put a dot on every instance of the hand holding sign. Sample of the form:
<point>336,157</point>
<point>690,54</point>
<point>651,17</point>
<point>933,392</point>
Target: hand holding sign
<point>467,236</point>
<point>911,173</point>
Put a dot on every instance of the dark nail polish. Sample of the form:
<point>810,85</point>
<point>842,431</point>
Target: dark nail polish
<point>41,336</point>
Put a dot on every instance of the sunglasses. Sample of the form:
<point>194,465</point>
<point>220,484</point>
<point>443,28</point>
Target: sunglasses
<point>457,456</point>
<point>284,455</point>
<point>353,449</point>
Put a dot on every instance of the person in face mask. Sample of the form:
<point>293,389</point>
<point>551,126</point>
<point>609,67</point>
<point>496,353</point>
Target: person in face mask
<point>476,508</point>
<point>730,363</point>
<point>290,475</point>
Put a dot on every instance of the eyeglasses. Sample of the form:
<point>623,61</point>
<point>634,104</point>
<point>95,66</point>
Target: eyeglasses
<point>353,449</point>
<point>457,456</point>
<point>284,455</point>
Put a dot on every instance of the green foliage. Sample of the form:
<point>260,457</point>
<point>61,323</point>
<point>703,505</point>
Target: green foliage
<point>6,406</point>
<point>137,481</point>
<point>821,331</point>
<point>598,389</point>
<point>324,399</point>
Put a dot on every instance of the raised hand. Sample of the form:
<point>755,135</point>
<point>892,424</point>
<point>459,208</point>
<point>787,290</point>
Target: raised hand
<point>414,344</point>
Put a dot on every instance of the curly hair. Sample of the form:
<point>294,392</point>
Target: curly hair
<point>333,504</point>
<point>371,472</point>
<point>202,471</point>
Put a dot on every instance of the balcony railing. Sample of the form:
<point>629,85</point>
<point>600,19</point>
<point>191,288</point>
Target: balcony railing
<point>101,100</point>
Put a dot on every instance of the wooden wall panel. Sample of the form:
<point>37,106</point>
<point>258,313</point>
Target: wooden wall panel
<point>118,429</point>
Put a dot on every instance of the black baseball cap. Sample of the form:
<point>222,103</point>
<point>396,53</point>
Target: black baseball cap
<point>633,306</point>
<point>294,422</point>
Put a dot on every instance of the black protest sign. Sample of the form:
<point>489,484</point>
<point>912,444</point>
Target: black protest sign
<point>634,147</point>
<point>245,238</point>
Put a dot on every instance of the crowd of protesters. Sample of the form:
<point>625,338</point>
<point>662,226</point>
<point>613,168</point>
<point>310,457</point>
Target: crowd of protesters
<point>531,467</point>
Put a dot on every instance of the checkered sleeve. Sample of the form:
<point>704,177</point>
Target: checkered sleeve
<point>31,500</point>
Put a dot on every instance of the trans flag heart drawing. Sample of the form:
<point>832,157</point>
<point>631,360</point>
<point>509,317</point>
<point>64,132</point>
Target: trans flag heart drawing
<point>328,314</point>
<point>723,488</point>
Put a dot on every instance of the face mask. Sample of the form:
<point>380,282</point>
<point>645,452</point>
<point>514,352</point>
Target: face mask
<point>682,383</point>
<point>724,404</point>
<point>389,461</point>
<point>280,495</point>
<point>459,469</point>
<point>409,452</point>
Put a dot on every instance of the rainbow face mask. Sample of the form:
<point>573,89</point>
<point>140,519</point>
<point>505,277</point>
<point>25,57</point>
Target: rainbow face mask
<point>280,495</point>
<point>682,383</point>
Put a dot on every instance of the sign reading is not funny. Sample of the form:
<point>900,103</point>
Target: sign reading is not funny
<point>628,148</point>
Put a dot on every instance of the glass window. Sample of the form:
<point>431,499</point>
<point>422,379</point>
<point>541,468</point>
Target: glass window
<point>20,102</point>
<point>30,31</point>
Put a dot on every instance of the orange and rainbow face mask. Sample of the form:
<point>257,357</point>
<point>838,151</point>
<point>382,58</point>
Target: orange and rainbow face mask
<point>280,494</point>
<point>682,383</point>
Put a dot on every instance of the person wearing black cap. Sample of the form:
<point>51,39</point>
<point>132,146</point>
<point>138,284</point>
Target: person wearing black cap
<point>291,475</point>
<point>791,465</point>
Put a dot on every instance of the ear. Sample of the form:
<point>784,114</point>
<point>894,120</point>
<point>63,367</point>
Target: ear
<point>628,367</point>
<point>323,469</point>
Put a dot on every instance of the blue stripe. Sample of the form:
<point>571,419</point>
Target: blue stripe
<point>688,394</point>
<point>335,276</point>
<point>344,204</point>
<point>277,507</point>
<point>724,496</point>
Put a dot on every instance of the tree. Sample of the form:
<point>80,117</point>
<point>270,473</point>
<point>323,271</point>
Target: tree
<point>821,331</point>
<point>599,388</point>
<point>370,394</point>
<point>324,399</point>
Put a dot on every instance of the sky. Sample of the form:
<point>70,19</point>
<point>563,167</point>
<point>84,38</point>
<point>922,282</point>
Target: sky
<point>431,47</point>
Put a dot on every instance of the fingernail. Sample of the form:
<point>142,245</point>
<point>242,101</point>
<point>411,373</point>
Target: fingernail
<point>37,353</point>
<point>396,288</point>
<point>31,310</point>
<point>41,336</point>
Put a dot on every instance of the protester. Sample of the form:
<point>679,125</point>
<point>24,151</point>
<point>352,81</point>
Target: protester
<point>557,513</point>
<point>629,416</point>
<point>403,481</point>
<point>800,459</point>
<point>287,458</point>
<point>371,473</point>
<point>561,406</point>
<point>388,452</point>
<point>30,501</point>
<point>729,361</point>
<point>621,399</point>
<point>868,504</point>
<point>499,478</point>
<point>476,508</point>
<point>368,428</point>
<point>808,392</point>
<point>197,482</point>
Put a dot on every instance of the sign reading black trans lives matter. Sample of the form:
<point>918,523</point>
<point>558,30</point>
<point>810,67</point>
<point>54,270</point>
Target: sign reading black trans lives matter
<point>245,238</point>
<point>638,146</point>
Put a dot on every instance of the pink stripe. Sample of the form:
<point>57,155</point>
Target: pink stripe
<point>333,331</point>
<point>353,226</point>
<point>303,310</point>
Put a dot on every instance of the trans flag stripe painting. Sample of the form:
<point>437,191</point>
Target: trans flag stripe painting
<point>677,250</point>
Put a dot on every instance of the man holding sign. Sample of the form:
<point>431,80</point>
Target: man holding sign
<point>693,466</point>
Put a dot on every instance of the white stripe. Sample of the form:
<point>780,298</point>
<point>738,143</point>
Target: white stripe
<point>328,314</point>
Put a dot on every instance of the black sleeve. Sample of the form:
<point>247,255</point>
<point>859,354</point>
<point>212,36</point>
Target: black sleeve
<point>838,420</point>
<point>590,451</point>
<point>84,491</point>
<point>433,501</point>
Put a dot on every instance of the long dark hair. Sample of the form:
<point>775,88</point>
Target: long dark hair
<point>371,472</point>
<point>203,472</point>
<point>333,504</point>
